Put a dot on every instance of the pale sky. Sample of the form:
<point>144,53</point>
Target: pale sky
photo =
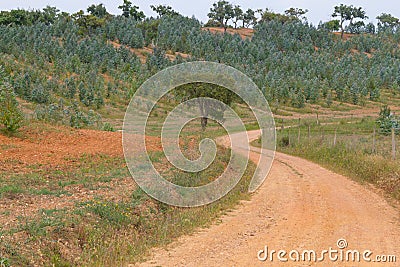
<point>318,9</point>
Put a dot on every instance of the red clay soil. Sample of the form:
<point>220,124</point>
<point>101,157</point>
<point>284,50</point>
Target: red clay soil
<point>243,32</point>
<point>346,36</point>
<point>59,146</point>
<point>142,53</point>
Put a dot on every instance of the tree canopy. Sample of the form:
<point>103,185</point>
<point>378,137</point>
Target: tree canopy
<point>348,13</point>
<point>129,10</point>
<point>332,25</point>
<point>298,13</point>
<point>222,12</point>
<point>238,15</point>
<point>206,90</point>
<point>387,21</point>
<point>163,10</point>
<point>99,11</point>
<point>268,15</point>
<point>249,18</point>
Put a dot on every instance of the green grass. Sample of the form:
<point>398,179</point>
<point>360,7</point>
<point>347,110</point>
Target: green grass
<point>352,155</point>
<point>361,166</point>
<point>109,233</point>
<point>305,110</point>
<point>104,231</point>
<point>44,181</point>
<point>7,147</point>
<point>4,262</point>
<point>10,190</point>
<point>281,112</point>
<point>156,225</point>
<point>37,227</point>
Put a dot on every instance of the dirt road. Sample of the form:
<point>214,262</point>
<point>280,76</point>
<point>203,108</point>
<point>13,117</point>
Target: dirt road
<point>301,206</point>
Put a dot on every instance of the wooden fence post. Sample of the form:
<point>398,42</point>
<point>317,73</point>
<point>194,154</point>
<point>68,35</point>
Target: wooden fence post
<point>309,132</point>
<point>298,137</point>
<point>393,145</point>
<point>374,141</point>
<point>289,137</point>
<point>335,138</point>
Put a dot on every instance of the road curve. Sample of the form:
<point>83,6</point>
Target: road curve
<point>301,206</point>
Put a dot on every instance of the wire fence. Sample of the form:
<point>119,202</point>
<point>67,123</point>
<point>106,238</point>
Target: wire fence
<point>355,135</point>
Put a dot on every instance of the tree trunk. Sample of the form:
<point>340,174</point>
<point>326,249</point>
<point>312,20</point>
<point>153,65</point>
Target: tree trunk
<point>221,22</point>
<point>341,27</point>
<point>204,114</point>
<point>204,121</point>
<point>226,25</point>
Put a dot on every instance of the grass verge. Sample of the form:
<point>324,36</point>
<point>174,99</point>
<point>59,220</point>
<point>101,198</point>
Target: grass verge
<point>352,155</point>
<point>87,220</point>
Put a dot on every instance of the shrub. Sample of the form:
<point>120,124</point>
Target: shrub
<point>40,95</point>
<point>284,141</point>
<point>79,119</point>
<point>108,127</point>
<point>11,116</point>
<point>67,115</point>
<point>387,121</point>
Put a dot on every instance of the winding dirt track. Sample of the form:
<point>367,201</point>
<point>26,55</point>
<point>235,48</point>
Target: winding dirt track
<point>301,206</point>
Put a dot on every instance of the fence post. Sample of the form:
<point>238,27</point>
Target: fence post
<point>374,141</point>
<point>283,126</point>
<point>393,145</point>
<point>298,137</point>
<point>335,138</point>
<point>309,132</point>
<point>290,143</point>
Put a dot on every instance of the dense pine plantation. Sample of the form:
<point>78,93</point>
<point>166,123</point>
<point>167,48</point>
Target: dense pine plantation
<point>295,62</point>
<point>70,66</point>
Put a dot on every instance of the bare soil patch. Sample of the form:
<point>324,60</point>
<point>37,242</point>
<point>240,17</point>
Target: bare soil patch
<point>55,146</point>
<point>142,53</point>
<point>243,32</point>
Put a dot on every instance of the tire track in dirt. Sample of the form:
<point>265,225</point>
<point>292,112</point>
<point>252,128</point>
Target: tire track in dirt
<point>300,206</point>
